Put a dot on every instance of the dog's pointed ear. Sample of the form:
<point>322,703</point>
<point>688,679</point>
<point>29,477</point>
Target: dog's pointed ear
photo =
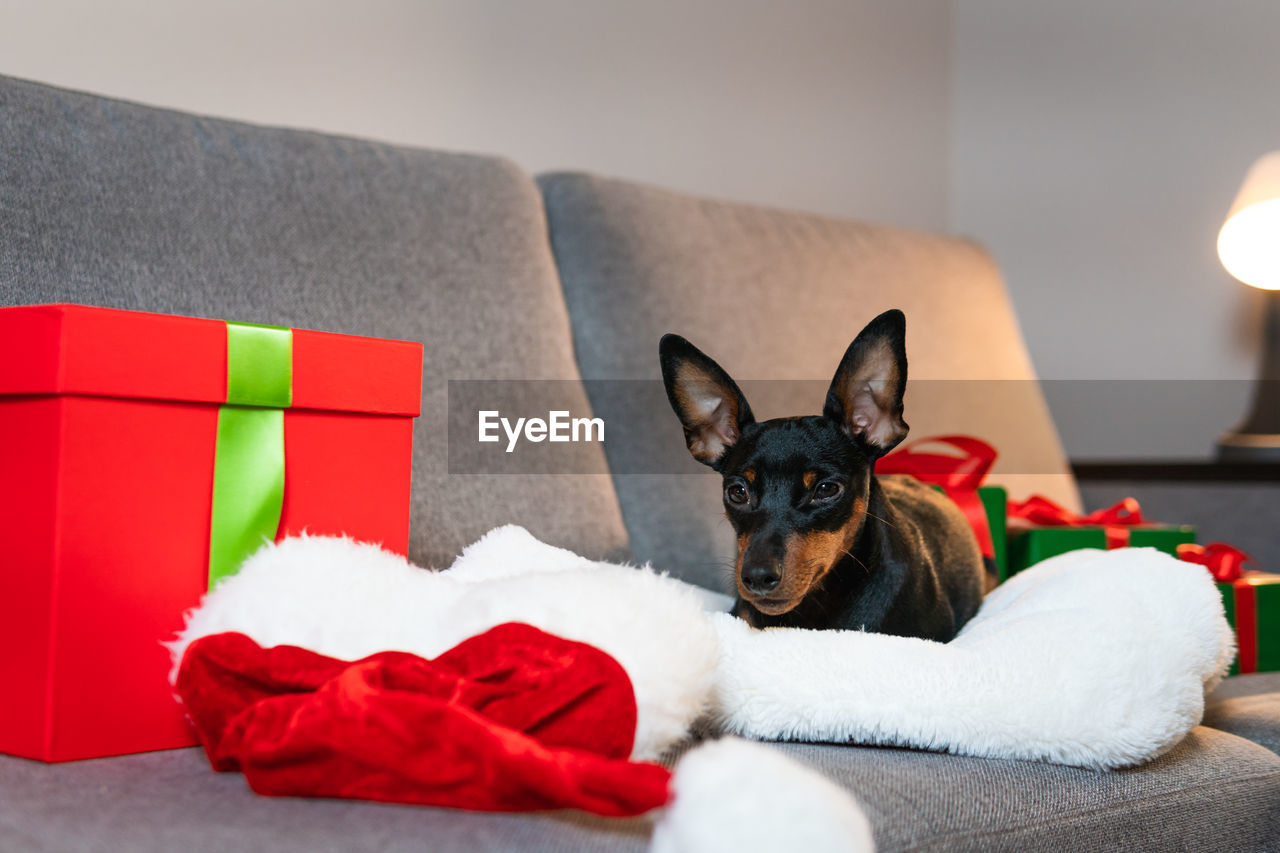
<point>865,397</point>
<point>711,408</point>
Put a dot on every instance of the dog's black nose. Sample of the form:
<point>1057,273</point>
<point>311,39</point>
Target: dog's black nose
<point>761,578</point>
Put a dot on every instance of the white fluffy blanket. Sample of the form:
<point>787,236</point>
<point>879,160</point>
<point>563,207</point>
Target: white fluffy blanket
<point>1098,659</point>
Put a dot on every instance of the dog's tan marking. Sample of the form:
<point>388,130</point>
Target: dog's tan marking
<point>810,477</point>
<point>808,557</point>
<point>744,539</point>
<point>749,475</point>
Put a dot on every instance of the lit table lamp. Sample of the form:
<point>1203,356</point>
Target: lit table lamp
<point>1249,247</point>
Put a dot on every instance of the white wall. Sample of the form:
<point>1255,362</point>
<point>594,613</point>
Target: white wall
<point>1095,149</point>
<point>830,106</point>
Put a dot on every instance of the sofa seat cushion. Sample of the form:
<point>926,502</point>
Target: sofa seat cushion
<point>160,802</point>
<point>1213,792</point>
<point>1248,706</point>
<point>773,295</point>
<point>119,205</point>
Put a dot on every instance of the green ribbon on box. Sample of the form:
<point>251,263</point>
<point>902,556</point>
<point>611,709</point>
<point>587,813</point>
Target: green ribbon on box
<point>248,468</point>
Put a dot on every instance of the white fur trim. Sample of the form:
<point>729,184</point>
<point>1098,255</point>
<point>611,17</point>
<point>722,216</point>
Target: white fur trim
<point>1094,658</point>
<point>1097,659</point>
<point>734,796</point>
<point>348,600</point>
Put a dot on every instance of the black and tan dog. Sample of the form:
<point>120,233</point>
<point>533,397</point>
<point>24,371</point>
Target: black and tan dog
<point>823,542</point>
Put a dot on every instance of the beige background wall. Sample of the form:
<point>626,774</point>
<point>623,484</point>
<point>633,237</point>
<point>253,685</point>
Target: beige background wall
<point>1093,146</point>
<point>836,106</point>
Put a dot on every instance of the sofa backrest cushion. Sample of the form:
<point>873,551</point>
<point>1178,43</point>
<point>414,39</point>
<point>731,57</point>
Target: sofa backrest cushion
<point>774,295</point>
<point>119,205</point>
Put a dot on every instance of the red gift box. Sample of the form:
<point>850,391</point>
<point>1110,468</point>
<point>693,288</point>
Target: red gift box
<point>110,426</point>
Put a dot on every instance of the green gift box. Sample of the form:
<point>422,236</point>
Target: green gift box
<point>1028,546</point>
<point>995,500</point>
<point>1252,604</point>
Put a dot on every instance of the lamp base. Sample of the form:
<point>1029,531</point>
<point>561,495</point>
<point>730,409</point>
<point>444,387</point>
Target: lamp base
<point>1249,447</point>
<point>1257,438</point>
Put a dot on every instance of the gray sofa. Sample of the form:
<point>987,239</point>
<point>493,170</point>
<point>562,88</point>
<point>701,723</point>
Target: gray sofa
<point>565,277</point>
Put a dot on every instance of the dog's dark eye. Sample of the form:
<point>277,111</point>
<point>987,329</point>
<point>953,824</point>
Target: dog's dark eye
<point>826,490</point>
<point>736,493</point>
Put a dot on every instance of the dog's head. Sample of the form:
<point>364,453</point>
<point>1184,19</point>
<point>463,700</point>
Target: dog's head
<point>795,489</point>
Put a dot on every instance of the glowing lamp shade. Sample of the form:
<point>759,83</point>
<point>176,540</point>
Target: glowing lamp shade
<point>1249,242</point>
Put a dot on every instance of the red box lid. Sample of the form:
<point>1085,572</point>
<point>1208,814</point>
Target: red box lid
<point>106,352</point>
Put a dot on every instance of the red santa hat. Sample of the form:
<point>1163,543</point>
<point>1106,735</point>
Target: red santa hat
<point>330,668</point>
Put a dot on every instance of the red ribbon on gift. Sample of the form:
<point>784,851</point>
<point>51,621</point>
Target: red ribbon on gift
<point>1226,564</point>
<point>958,475</point>
<point>1116,520</point>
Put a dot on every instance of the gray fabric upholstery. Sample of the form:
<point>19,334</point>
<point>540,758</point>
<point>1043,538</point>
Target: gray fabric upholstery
<point>1213,792</point>
<point>169,801</point>
<point>1248,706</point>
<point>1255,718</point>
<point>774,295</point>
<point>114,204</point>
<point>1253,684</point>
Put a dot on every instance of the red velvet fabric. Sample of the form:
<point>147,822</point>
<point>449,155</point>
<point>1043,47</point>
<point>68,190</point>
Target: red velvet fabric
<point>514,719</point>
